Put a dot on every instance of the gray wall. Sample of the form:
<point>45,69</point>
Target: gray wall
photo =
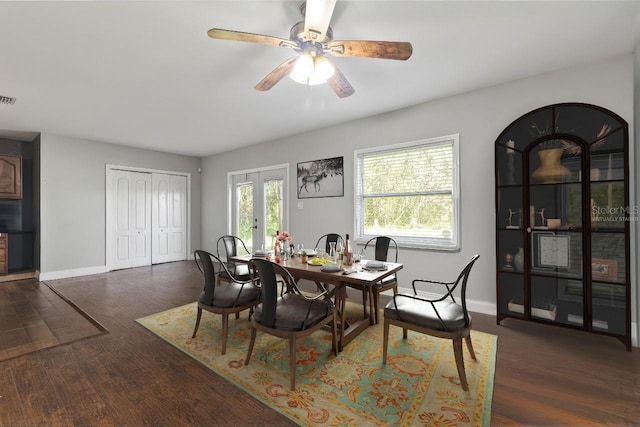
<point>477,116</point>
<point>73,203</point>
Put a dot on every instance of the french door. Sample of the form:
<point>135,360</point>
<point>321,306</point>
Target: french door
<point>259,205</point>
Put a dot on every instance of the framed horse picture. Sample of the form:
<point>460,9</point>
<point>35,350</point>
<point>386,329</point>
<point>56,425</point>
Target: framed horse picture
<point>321,178</point>
<point>10,177</point>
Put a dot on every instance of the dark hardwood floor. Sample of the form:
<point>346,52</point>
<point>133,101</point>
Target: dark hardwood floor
<point>34,317</point>
<point>544,375</point>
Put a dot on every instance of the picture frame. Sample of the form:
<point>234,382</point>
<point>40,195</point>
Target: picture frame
<point>551,251</point>
<point>10,177</point>
<point>321,178</point>
<point>604,269</point>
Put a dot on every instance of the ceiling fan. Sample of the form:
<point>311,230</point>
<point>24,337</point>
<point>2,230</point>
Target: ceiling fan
<point>313,40</point>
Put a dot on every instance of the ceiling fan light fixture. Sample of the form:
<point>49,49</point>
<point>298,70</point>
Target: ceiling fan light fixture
<point>303,69</point>
<point>312,70</point>
<point>323,70</point>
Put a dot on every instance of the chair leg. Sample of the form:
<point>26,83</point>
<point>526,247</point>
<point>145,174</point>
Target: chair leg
<point>404,333</point>
<point>385,340</point>
<point>251,343</point>
<point>470,346</point>
<point>225,331</point>
<point>395,292</point>
<point>197,322</point>
<point>237,315</point>
<point>292,363</point>
<point>457,351</point>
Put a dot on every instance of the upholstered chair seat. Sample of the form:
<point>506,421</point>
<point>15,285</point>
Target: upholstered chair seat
<point>296,313</point>
<point>443,316</point>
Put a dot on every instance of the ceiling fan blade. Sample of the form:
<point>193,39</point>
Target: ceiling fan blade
<point>218,33</point>
<point>277,74</point>
<point>339,83</point>
<point>317,17</point>
<point>369,49</point>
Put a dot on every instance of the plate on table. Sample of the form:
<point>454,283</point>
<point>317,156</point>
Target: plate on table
<point>375,266</point>
<point>318,261</point>
<point>260,253</point>
<point>309,253</point>
<point>331,268</point>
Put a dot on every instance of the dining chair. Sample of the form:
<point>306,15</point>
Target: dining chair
<point>235,297</point>
<point>287,313</point>
<point>441,317</point>
<point>229,246</point>
<point>329,238</point>
<point>385,249</point>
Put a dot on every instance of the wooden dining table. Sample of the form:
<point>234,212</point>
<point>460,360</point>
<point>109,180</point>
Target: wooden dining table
<point>355,276</point>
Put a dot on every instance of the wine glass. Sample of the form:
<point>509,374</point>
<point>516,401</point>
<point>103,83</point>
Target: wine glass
<point>339,252</point>
<point>333,252</point>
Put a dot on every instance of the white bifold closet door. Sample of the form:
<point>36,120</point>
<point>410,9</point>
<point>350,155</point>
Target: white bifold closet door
<point>147,218</point>
<point>130,212</point>
<point>169,217</point>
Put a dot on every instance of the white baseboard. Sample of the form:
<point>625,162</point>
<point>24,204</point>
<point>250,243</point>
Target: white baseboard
<point>86,271</point>
<point>64,274</point>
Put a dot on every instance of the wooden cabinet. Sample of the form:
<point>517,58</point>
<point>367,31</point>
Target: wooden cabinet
<point>562,220</point>
<point>4,253</point>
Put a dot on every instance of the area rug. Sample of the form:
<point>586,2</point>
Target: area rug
<point>418,386</point>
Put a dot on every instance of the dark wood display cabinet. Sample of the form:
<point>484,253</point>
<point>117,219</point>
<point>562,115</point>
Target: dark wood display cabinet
<point>562,220</point>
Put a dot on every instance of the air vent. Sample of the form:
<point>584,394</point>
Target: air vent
<point>7,100</point>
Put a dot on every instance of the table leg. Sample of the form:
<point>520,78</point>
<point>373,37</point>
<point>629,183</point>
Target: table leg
<point>340,301</point>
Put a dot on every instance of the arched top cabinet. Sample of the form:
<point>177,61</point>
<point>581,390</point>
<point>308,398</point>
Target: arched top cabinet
<point>562,219</point>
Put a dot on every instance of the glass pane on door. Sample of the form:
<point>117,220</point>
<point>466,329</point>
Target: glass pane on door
<point>273,198</point>
<point>245,220</point>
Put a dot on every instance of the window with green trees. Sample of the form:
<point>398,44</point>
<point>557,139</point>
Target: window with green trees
<point>410,192</point>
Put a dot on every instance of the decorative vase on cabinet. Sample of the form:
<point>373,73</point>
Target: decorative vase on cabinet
<point>551,170</point>
<point>570,161</point>
<point>518,260</point>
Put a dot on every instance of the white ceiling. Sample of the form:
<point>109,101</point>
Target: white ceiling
<point>145,74</point>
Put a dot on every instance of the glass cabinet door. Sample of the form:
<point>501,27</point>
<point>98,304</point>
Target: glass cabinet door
<point>556,225</point>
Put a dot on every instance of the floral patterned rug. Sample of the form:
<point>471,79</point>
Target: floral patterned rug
<point>418,386</point>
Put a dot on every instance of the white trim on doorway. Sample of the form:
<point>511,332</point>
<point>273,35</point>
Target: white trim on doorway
<point>230,176</point>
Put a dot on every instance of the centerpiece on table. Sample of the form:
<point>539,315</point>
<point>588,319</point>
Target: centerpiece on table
<point>283,239</point>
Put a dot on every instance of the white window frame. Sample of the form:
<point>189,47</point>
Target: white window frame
<point>452,243</point>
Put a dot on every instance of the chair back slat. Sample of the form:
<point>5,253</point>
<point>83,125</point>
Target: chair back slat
<point>229,245</point>
<point>464,277</point>
<point>331,237</point>
<point>381,248</point>
<point>269,284</point>
<point>204,261</point>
